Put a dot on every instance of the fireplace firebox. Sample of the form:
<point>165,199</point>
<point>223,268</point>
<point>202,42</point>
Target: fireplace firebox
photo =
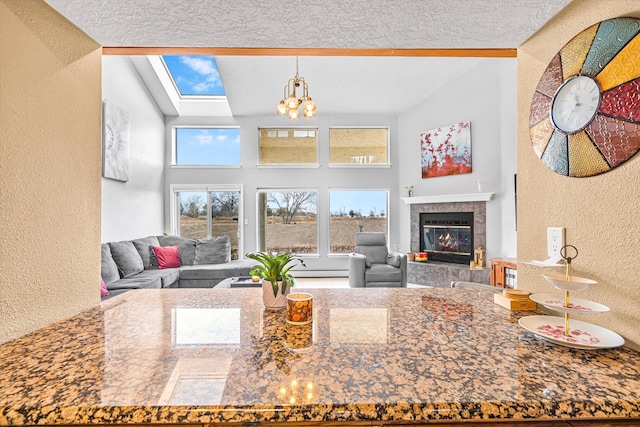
<point>447,236</point>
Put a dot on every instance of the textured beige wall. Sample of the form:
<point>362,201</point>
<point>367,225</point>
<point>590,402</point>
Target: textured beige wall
<point>601,214</point>
<point>50,107</point>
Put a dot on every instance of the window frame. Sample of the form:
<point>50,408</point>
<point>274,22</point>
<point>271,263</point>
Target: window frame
<point>359,165</point>
<point>289,165</point>
<point>174,147</point>
<point>174,207</point>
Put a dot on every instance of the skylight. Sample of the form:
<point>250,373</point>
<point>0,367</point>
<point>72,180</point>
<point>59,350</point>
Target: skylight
<point>195,75</point>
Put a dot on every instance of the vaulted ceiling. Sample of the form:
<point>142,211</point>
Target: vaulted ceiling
<point>339,84</point>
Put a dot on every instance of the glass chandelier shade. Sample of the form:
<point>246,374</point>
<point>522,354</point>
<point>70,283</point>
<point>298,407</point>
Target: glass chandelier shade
<point>290,102</point>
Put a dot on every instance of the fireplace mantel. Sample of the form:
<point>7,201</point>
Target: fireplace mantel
<point>449,198</point>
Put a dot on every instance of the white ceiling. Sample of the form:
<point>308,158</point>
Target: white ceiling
<point>338,84</point>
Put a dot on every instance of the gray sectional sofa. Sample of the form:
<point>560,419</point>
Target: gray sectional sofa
<point>132,264</point>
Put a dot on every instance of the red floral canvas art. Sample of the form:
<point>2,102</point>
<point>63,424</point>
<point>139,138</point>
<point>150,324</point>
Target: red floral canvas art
<point>446,150</point>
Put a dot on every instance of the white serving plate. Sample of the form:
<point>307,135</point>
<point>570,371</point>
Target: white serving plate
<point>575,284</point>
<point>576,305</point>
<point>581,334</point>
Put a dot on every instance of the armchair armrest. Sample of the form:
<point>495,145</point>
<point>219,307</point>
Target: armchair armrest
<point>399,260</point>
<point>357,266</point>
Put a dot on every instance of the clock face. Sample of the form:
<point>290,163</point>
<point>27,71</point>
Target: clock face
<point>575,104</point>
<point>585,112</point>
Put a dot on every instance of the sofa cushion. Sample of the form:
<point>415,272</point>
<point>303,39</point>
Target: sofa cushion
<point>136,283</point>
<point>394,259</point>
<point>383,273</point>
<point>126,257</point>
<point>108,267</point>
<point>143,246</point>
<point>217,271</point>
<point>186,247</point>
<point>167,256</point>
<point>213,251</point>
<point>168,276</point>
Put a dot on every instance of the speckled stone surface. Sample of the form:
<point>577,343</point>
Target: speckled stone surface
<point>215,355</point>
<point>441,274</point>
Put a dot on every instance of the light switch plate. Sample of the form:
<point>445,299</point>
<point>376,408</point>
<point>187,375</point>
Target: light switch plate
<point>555,241</point>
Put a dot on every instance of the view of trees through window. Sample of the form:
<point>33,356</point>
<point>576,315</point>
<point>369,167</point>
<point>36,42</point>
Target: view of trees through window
<point>354,211</point>
<point>210,214</point>
<point>288,221</point>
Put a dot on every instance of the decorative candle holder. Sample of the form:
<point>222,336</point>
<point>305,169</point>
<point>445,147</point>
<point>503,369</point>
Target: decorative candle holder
<point>299,308</point>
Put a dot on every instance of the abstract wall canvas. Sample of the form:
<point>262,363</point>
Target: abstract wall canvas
<point>446,150</point>
<point>115,142</point>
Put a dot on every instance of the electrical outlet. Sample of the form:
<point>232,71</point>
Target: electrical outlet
<point>555,241</point>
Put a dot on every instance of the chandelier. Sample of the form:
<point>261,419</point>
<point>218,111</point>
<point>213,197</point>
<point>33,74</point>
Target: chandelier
<point>290,102</point>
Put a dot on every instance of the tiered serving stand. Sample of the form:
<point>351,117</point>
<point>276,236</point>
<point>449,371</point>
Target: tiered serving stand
<point>563,330</point>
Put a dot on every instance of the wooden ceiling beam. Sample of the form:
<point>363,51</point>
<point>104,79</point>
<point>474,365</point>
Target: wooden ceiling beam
<point>245,51</point>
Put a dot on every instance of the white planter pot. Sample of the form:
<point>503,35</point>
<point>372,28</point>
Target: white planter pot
<point>274,302</point>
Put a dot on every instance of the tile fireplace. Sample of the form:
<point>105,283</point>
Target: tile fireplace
<point>446,230</point>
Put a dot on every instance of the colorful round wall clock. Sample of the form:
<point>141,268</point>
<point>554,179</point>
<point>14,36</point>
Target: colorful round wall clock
<point>585,113</point>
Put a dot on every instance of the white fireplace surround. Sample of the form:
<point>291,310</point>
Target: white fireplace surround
<point>449,198</point>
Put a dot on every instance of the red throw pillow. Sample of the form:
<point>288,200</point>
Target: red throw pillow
<point>103,288</point>
<point>167,256</point>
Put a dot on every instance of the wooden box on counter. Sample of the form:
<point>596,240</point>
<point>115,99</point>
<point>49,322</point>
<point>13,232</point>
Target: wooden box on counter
<point>503,272</point>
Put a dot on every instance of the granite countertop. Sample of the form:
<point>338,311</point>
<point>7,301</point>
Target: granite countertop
<point>215,355</point>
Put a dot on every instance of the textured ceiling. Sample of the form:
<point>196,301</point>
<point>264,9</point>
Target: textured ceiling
<point>339,85</point>
<point>310,23</point>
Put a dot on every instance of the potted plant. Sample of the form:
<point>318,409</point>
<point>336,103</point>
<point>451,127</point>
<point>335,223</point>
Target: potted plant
<point>273,269</point>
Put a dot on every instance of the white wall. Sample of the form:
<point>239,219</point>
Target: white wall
<point>134,208</point>
<point>486,97</point>
<point>322,178</point>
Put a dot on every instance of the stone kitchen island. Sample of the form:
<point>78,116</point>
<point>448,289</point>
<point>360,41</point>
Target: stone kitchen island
<point>370,357</point>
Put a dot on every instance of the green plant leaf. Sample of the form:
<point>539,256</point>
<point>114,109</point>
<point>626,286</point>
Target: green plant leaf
<point>275,267</point>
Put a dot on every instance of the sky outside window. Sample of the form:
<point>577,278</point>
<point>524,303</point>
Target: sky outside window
<point>360,201</point>
<point>195,75</point>
<point>207,146</point>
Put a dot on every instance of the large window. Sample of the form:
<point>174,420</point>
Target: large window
<point>359,146</point>
<point>352,211</point>
<point>287,221</point>
<point>209,212</point>
<point>288,146</point>
<point>207,146</point>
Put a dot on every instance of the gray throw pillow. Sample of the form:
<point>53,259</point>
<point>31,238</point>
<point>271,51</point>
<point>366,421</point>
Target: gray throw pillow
<point>108,267</point>
<point>126,257</point>
<point>213,251</point>
<point>143,246</point>
<point>186,247</point>
<point>394,260</point>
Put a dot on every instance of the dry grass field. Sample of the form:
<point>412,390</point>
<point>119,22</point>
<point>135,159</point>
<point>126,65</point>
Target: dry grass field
<point>299,237</point>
